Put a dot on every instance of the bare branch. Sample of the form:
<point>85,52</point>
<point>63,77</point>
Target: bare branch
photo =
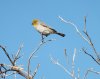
<point>32,56</point>
<point>6,53</point>
<point>18,70</point>
<point>65,53</point>
<point>34,52</point>
<point>35,71</point>
<point>73,60</point>
<point>92,71</point>
<point>74,55</point>
<point>75,26</point>
<point>88,39</point>
<point>92,45</point>
<point>17,54</point>
<point>60,65</point>
<point>8,74</point>
<point>85,24</point>
<point>90,56</point>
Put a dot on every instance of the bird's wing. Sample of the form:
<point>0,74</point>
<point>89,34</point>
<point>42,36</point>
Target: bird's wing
<point>48,27</point>
<point>44,25</point>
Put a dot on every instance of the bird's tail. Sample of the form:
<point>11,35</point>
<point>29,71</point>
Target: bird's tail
<point>61,34</point>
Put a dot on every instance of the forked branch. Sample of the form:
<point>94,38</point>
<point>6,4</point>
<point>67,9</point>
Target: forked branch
<point>87,38</point>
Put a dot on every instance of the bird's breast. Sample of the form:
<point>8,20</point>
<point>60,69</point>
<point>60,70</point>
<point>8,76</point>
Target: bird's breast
<point>42,29</point>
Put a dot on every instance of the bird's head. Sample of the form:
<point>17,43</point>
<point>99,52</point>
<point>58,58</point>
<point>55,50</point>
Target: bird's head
<point>35,22</point>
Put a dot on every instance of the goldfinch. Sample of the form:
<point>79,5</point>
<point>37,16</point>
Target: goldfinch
<point>44,29</point>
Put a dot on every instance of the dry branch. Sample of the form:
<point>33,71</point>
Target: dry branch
<point>35,51</point>
<point>12,68</point>
<point>6,53</point>
<point>17,54</point>
<point>71,73</point>
<point>90,56</point>
<point>18,70</point>
<point>92,71</point>
<point>87,38</point>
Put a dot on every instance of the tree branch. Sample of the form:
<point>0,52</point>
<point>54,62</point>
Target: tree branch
<point>90,56</point>
<point>19,70</point>
<point>92,71</point>
<point>75,26</point>
<point>88,39</point>
<point>35,51</point>
<point>71,73</point>
<point>35,71</point>
<point>6,53</point>
<point>17,54</point>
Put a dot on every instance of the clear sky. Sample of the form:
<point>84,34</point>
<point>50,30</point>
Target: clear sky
<point>15,28</point>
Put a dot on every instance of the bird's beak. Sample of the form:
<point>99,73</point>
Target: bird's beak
<point>32,23</point>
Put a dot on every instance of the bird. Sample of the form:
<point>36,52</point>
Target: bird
<point>44,29</point>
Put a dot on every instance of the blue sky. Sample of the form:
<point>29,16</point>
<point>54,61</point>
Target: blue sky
<point>15,28</point>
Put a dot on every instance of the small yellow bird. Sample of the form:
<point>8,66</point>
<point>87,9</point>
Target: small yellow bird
<point>43,29</point>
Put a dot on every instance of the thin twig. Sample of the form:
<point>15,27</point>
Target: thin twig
<point>66,56</point>
<point>92,71</point>
<point>9,74</point>
<point>60,65</point>
<point>35,51</point>
<point>32,56</point>
<point>35,71</point>
<point>74,55</point>
<point>85,24</point>
<point>6,53</point>
<point>17,54</point>
<point>92,45</point>
<point>75,26</point>
<point>88,39</point>
<point>73,60</point>
<point>90,56</point>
